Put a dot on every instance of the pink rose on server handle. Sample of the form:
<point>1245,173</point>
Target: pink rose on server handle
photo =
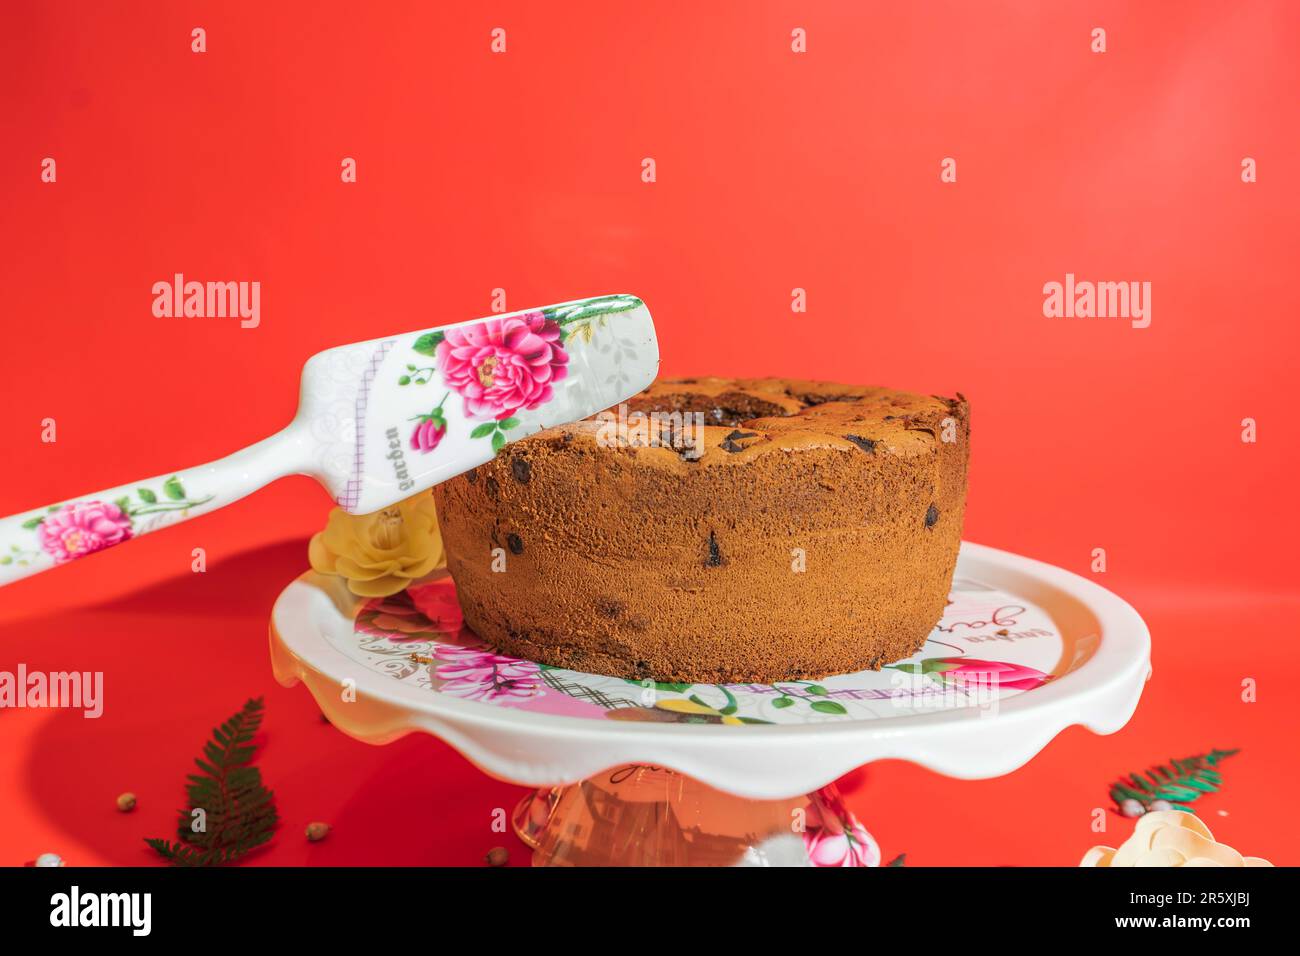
<point>430,429</point>
<point>82,528</point>
<point>503,365</point>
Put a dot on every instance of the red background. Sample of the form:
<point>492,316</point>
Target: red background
<point>775,171</point>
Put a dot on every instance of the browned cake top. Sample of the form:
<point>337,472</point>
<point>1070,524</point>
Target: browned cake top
<point>747,418</point>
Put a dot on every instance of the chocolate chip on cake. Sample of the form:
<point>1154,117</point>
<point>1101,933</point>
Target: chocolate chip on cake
<point>731,446</point>
<point>471,476</point>
<point>520,468</point>
<point>931,516</point>
<point>866,444</point>
<point>515,543</point>
<point>715,553</point>
<point>608,607</point>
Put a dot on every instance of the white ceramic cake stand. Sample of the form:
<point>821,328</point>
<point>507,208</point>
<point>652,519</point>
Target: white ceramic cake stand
<point>644,773</point>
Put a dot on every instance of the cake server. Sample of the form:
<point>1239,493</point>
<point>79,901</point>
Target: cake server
<point>381,420</point>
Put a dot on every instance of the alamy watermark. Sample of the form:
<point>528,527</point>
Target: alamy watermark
<point>681,431</point>
<point>76,690</point>
<point>208,300</point>
<point>1083,299</point>
<point>976,688</point>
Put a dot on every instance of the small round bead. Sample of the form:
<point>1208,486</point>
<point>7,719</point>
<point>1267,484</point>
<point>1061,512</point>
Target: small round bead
<point>1132,808</point>
<point>317,831</point>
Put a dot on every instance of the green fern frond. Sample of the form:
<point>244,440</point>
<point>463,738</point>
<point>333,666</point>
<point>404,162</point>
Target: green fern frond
<point>239,813</point>
<point>1179,782</point>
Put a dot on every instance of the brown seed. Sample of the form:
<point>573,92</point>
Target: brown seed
<point>317,831</point>
<point>497,856</point>
<point>522,471</point>
<point>126,802</point>
<point>931,516</point>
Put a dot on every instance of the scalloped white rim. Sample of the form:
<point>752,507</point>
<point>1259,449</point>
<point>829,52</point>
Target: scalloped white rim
<point>756,761</point>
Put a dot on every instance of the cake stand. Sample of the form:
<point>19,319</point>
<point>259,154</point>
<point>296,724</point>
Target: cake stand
<point>702,774</point>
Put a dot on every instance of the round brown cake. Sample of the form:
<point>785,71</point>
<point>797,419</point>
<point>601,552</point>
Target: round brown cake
<point>806,529</point>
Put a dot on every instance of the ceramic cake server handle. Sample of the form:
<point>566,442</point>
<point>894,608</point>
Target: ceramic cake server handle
<point>381,420</point>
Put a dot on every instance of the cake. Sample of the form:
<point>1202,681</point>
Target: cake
<point>807,529</point>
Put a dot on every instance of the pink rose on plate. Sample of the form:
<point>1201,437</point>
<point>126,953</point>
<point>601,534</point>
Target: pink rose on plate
<point>479,674</point>
<point>83,527</point>
<point>502,365</point>
<point>969,671</point>
<point>833,836</point>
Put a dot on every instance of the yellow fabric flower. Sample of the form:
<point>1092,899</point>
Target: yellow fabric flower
<point>380,553</point>
<point>1170,838</point>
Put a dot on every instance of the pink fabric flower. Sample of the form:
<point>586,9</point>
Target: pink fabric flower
<point>83,527</point>
<point>971,672</point>
<point>502,365</point>
<point>834,837</point>
<point>479,674</point>
<point>437,602</point>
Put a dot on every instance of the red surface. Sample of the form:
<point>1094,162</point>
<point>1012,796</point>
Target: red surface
<point>775,171</point>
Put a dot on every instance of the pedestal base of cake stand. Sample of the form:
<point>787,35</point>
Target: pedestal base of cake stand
<point>640,815</point>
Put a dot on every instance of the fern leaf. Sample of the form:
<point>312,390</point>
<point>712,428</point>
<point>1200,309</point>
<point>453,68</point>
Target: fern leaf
<point>1180,781</point>
<point>239,813</point>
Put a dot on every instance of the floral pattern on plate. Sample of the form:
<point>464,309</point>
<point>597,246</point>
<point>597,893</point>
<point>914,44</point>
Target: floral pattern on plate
<point>988,646</point>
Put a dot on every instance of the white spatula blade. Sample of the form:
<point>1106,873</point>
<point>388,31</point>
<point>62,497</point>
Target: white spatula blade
<point>397,415</point>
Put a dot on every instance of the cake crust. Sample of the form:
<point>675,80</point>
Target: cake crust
<point>814,531</point>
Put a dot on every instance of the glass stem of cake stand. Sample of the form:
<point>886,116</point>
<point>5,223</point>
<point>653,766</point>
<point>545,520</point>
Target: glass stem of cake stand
<point>637,815</point>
